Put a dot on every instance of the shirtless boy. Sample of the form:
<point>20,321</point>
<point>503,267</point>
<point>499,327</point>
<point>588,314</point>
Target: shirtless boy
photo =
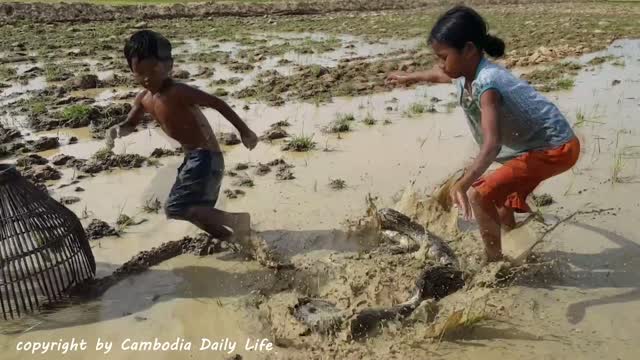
<point>176,108</point>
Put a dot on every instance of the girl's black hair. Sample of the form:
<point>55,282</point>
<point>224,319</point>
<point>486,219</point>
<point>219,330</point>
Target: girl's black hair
<point>147,44</point>
<point>462,24</point>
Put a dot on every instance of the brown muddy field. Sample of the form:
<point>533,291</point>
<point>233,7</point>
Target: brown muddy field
<point>327,274</point>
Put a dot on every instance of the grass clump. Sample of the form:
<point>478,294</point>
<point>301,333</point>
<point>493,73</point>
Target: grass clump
<point>418,108</point>
<point>339,126</point>
<point>310,46</point>
<point>55,72</point>
<point>102,154</point>
<point>6,72</point>
<point>220,92</point>
<point>345,117</point>
<point>582,118</point>
<point>369,120</point>
<point>599,60</point>
<point>619,62</point>
<point>152,205</point>
<point>300,143</point>
<point>565,84</point>
<point>76,113</point>
<point>337,184</point>
<point>38,108</point>
<point>557,77</point>
<point>317,70</point>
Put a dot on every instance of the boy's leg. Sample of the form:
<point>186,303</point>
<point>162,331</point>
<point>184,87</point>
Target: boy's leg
<point>217,222</point>
<point>195,194</point>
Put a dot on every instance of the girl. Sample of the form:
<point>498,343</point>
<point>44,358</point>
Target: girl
<point>512,123</point>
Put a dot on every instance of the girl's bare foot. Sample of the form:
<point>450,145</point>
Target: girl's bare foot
<point>242,227</point>
<point>493,257</point>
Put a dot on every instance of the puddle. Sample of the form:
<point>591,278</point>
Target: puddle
<point>15,89</point>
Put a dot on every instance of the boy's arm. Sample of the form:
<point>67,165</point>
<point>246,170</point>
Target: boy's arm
<point>136,112</point>
<point>489,103</point>
<point>435,75</point>
<point>129,124</point>
<point>193,96</point>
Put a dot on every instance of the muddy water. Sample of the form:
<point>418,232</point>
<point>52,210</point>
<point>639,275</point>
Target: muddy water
<point>592,314</point>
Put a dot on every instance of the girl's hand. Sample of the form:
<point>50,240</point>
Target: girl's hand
<point>249,139</point>
<point>398,78</point>
<point>460,200</point>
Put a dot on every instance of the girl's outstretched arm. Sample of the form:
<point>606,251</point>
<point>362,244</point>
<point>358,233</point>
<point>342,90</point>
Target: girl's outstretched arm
<point>435,75</point>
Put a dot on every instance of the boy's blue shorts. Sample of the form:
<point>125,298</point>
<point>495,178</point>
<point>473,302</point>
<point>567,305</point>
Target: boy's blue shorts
<point>197,184</point>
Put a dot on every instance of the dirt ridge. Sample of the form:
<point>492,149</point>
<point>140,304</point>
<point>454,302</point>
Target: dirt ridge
<point>81,12</point>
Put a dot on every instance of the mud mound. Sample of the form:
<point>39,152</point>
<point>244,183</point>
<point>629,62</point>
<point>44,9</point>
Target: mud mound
<point>542,200</point>
<point>69,200</point>
<point>350,78</point>
<point>43,144</point>
<point>229,139</point>
<point>202,244</point>
<point>108,116</point>
<point>41,173</point>
<point>85,81</point>
<point>8,134</point>
<point>125,220</point>
<point>160,153</point>
<point>28,161</point>
<point>105,160</point>
<point>73,112</point>
<point>274,133</point>
<point>62,159</point>
<point>98,229</point>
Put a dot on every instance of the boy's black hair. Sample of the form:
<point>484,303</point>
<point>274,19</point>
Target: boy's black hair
<point>147,44</point>
<point>462,24</point>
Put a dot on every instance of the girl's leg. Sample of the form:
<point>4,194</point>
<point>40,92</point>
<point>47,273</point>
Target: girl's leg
<point>488,219</point>
<point>518,176</point>
<point>507,218</point>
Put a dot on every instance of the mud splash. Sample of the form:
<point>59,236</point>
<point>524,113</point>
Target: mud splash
<point>358,296</point>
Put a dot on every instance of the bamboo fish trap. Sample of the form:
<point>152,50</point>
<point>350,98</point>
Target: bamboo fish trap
<point>43,248</point>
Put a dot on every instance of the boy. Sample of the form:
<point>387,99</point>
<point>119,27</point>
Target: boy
<point>175,106</point>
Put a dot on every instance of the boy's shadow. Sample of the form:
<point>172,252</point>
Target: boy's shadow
<point>612,268</point>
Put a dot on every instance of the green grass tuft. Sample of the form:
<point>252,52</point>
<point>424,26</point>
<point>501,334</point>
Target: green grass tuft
<point>76,113</point>
<point>300,143</point>
<point>369,120</point>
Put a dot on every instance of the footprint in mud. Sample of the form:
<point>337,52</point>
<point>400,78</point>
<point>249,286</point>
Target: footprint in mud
<point>576,313</point>
<point>244,181</point>
<point>234,194</point>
